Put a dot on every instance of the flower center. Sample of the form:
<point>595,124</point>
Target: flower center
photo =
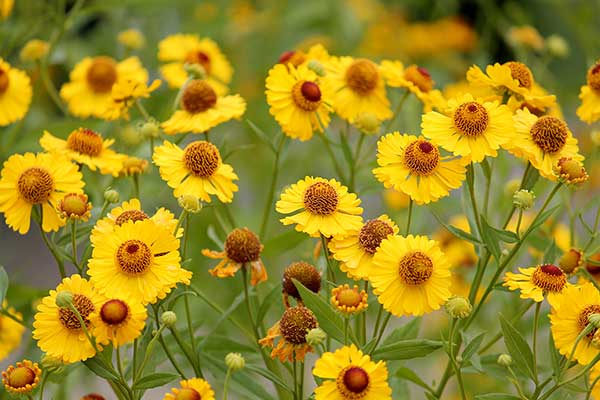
<point>307,95</point>
<point>353,382</point>
<point>114,311</point>
<point>420,77</point>
<point>134,257</point>
<point>69,319</point>
<point>303,272</point>
<point>130,215</point>
<point>198,96</point>
<point>102,74</point>
<point>349,297</point>
<point>187,394</point>
<point>242,246</point>
<point>85,141</point>
<point>93,396</point>
<point>415,268</point>
<point>74,204</point>
<point>583,318</point>
<point>421,157</point>
<point>471,119</point>
<point>372,233</point>
<point>21,377</point>
<point>321,198</point>
<point>362,76</point>
<point>4,81</point>
<point>200,58</point>
<point>593,77</point>
<point>35,185</point>
<point>201,158</point>
<point>294,57</point>
<point>521,72</point>
<point>549,134</point>
<point>295,324</point>
<point>549,278</point>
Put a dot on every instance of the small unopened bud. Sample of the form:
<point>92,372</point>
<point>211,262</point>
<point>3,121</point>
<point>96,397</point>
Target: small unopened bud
<point>317,67</point>
<point>595,136</point>
<point>75,206</point>
<point>570,171</point>
<point>594,320</point>
<point>49,362</point>
<point>458,307</point>
<point>523,199</point>
<point>505,252</point>
<point>34,50</point>
<point>367,123</point>
<point>459,359</point>
<point>189,203</point>
<point>131,136</point>
<point>504,360</point>
<point>557,46</point>
<point>235,361</point>
<point>111,196</point>
<point>168,318</point>
<point>132,39</point>
<point>64,299</point>
<point>150,129</point>
<point>196,71</point>
<point>571,260</point>
<point>316,336</point>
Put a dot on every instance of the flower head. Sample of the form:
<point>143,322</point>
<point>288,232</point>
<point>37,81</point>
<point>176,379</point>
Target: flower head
<point>118,321</point>
<point>589,110</point>
<point>15,93</point>
<point>75,206</point>
<point>349,300</point>
<point>132,39</point>
<point>21,378</point>
<point>570,171</point>
<point>34,50</point>
<point>291,329</point>
<point>535,282</point>
<point>191,389</point>
<point>304,273</point>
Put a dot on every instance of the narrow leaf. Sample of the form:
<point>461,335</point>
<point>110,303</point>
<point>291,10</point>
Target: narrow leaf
<point>472,346</point>
<point>409,375</point>
<point>459,233</point>
<point>270,299</point>
<point>496,396</point>
<point>99,367</point>
<point>261,135</point>
<point>154,380</point>
<point>407,349</point>
<point>3,284</point>
<point>542,218</point>
<point>406,331</point>
<point>269,375</point>
<point>551,253</point>
<point>517,347</point>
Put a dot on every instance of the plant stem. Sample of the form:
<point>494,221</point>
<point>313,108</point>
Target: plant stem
<point>377,321</point>
<point>397,110</point>
<point>271,194</point>
<point>536,318</point>
<point>74,244</point>
<point>337,167</point>
<point>147,354</point>
<point>57,257</point>
<point>226,384</point>
<point>346,321</point>
<point>409,218</point>
<point>247,301</point>
<point>330,270</point>
<point>382,330</point>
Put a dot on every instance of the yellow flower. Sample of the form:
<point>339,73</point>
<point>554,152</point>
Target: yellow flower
<point>410,275</point>
<point>34,50</point>
<point>298,57</point>
<point>526,36</point>
<point>138,261</point>
<point>325,206</point>
<point>132,39</point>
<point>299,100</point>
<point>291,330</point>
<point>57,330</point>
<point>196,170</point>
<point>242,250</point>
<point>134,166</point>
<point>513,77</point>
<point>6,7</point>
<point>356,251</point>
<point>202,109</point>
<point>11,332</point>
<point>358,88</point>
<point>539,102</point>
<point>349,300</point>
<point>75,206</point>
<point>542,141</point>
<point>348,374</point>
<point>414,78</point>
<point>535,282</point>
<point>589,110</point>
<point>84,146</point>
<point>414,166</point>
<point>471,127</point>
<point>179,50</point>
<point>460,88</point>
<point>594,373</point>
<point>15,93</point>
<point>118,321</point>
<point>396,199</point>
<point>569,316</point>
<point>22,378</point>
<point>192,389</point>
<point>124,94</point>
<point>30,180</point>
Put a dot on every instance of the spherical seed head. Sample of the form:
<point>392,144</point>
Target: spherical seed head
<point>114,312</point>
<point>85,141</point>
<point>316,336</point>
<point>306,95</point>
<point>295,323</point>
<point>4,81</point>
<point>201,158</point>
<point>570,171</point>
<point>235,361</point>
<point>35,185</point>
<point>504,360</point>
<point>421,157</point>
<point>102,74</point>
<point>64,299</point>
<point>242,246</point>
<point>362,76</point>
<point>458,307</point>
<point>198,96</point>
<point>304,273</point>
<point>471,119</point>
<point>20,377</point>
<point>34,50</point>
<point>521,73</point>
<point>549,134</point>
<point>321,198</point>
<point>187,394</point>
<point>356,379</point>
<point>557,46</point>
<point>134,257</point>
<point>168,318</point>
<point>111,196</point>
<point>571,260</point>
<point>75,206</point>
<point>420,77</point>
<point>367,123</point>
<point>593,76</point>
<point>523,199</point>
<point>190,203</point>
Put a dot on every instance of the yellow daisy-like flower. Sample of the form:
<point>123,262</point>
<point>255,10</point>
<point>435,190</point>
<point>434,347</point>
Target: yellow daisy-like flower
<point>242,250</point>
<point>22,378</point>
<point>137,260</point>
<point>133,166</point>
<point>299,100</point>
<point>513,77</point>
<point>196,170</point>
<point>414,166</point>
<point>355,251</point>
<point>89,91</point>
<point>124,94</point>
<point>118,321</point>
<point>179,50</point>
<point>84,146</point>
<point>569,316</point>
<point>589,110</point>
<point>539,102</point>
<point>6,7</point>
<point>351,375</point>
<point>76,207</point>
<point>543,141</point>
<point>410,275</point>
<point>535,282</point>
<point>57,330</point>
<point>298,57</point>
<point>396,199</point>
<point>470,127</point>
<point>358,88</point>
<point>40,179</point>
<point>11,332</point>
<point>414,78</point>
<point>202,109</point>
<point>458,89</point>
<point>349,300</point>
<point>291,330</point>
<point>325,206</point>
<point>15,93</point>
<point>191,389</point>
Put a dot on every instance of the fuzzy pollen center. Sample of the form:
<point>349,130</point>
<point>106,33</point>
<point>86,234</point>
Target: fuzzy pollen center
<point>200,58</point>
<point>187,394</point>
<point>4,81</point>
<point>549,134</point>
<point>295,324</point>
<point>415,268</point>
<point>372,233</point>
<point>549,278</point>
<point>85,141</point>
<point>321,198</point>
<point>114,312</point>
<point>130,215</point>
<point>102,74</point>
<point>420,77</point>
<point>294,57</point>
<point>421,157</point>
<point>349,297</point>
<point>201,158</point>
<point>69,319</point>
<point>35,185</point>
<point>593,77</point>
<point>362,76</point>
<point>521,72</point>
<point>471,119</point>
<point>134,257</point>
<point>198,96</point>
<point>242,246</point>
<point>306,95</point>
<point>583,318</point>
<point>74,204</point>
<point>303,272</point>
<point>21,377</point>
<point>353,382</point>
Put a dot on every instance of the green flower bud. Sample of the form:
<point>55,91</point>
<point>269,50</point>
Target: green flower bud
<point>367,123</point>
<point>523,199</point>
<point>51,363</point>
<point>197,71</point>
<point>316,336</point>
<point>504,360</point>
<point>458,307</point>
<point>130,135</point>
<point>594,320</point>
<point>111,195</point>
<point>168,318</point>
<point>190,203</point>
<point>557,46</point>
<point>150,129</point>
<point>317,67</point>
<point>235,361</point>
<point>64,299</point>
<point>511,187</point>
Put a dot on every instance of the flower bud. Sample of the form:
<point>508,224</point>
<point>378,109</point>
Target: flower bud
<point>504,360</point>
<point>64,299</point>
<point>196,71</point>
<point>523,199</point>
<point>317,67</point>
<point>557,46</point>
<point>596,339</point>
<point>316,336</point>
<point>594,319</point>
<point>49,362</point>
<point>367,123</point>
<point>235,361</point>
<point>75,206</point>
<point>168,318</point>
<point>571,260</point>
<point>570,171</point>
<point>505,252</point>
<point>34,50</point>
<point>190,203</point>
<point>458,307</point>
<point>595,136</point>
<point>131,136</point>
<point>132,39</point>
<point>150,129</point>
<point>111,195</point>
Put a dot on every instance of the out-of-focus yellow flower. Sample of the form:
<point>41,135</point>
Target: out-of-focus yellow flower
<point>589,111</point>
<point>15,93</point>
<point>34,50</point>
<point>6,7</point>
<point>132,39</point>
<point>395,199</point>
<point>525,36</point>
<point>414,78</point>
<point>124,94</point>
<point>134,165</point>
<point>206,11</point>
<point>460,88</point>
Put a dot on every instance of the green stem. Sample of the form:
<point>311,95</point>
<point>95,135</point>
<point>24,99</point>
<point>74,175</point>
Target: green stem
<point>226,384</point>
<point>74,244</point>
<point>574,378</point>
<point>397,110</point>
<point>346,321</point>
<point>43,384</point>
<point>409,218</point>
<point>142,110</point>
<point>519,220</point>
<point>295,373</point>
<point>330,270</point>
<point>135,350</point>
<point>586,331</point>
<point>516,384</point>
<point>536,319</point>
<point>57,257</point>
<point>247,301</point>
<point>454,362</point>
<point>186,352</point>
<point>149,349</point>
<point>136,186</point>
<point>271,194</point>
<point>301,384</point>
<point>377,321</point>
<point>471,188</point>
<point>381,331</point>
<point>337,167</point>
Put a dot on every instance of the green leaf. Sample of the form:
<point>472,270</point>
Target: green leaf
<point>261,135</point>
<point>223,344</point>
<point>496,396</point>
<point>487,170</point>
<point>154,380</point>
<point>472,346</point>
<point>409,330</point>
<point>531,179</point>
<point>551,253</point>
<point>490,240</point>
<point>517,348</point>
<point>284,242</point>
<point>99,367</point>
<point>225,315</point>
<point>542,218</point>
<point>269,375</point>
<point>409,375</point>
<point>346,150</point>
<point>3,284</point>
<point>407,349</point>
<point>554,356</point>
<point>501,234</point>
<point>459,233</point>
<point>269,300</point>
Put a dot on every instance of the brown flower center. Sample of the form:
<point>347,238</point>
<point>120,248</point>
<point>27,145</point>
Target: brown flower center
<point>471,119</point>
<point>198,96</point>
<point>200,58</point>
<point>584,315</point>
<point>549,278</point>
<point>294,57</point>
<point>570,260</point>
<point>421,157</point>
<point>201,158</point>
<point>85,141</point>
<point>295,324</point>
<point>93,396</point>
<point>420,77</point>
<point>306,95</point>
<point>21,377</point>
<point>114,311</point>
<point>549,134</point>
<point>521,72</point>
<point>187,394</point>
<point>372,233</point>
<point>102,74</point>
<point>242,246</point>
<point>321,198</point>
<point>134,257</point>
<point>130,215</point>
<point>362,76</point>
<point>303,272</point>
<point>69,319</point>
<point>35,185</point>
<point>593,77</point>
<point>353,382</point>
<point>349,297</point>
<point>4,81</point>
<point>415,268</point>
<point>74,204</point>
